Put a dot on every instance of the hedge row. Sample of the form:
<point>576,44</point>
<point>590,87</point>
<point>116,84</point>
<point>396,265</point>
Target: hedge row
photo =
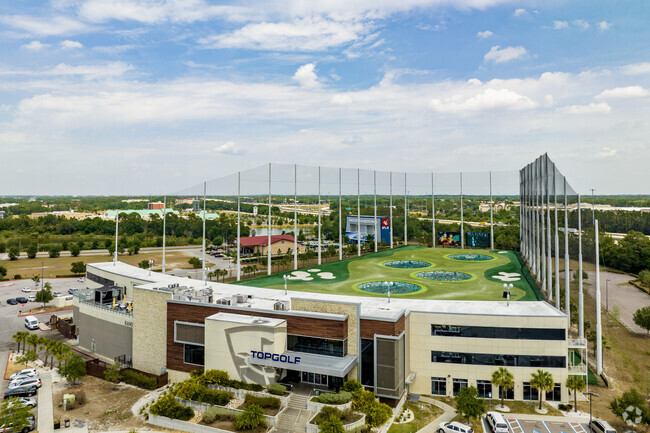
<point>221,378</point>
<point>264,402</point>
<point>138,379</point>
<point>341,397</point>
<point>169,407</point>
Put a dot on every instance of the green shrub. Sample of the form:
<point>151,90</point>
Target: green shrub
<point>351,386</point>
<point>325,414</point>
<point>565,407</point>
<point>376,413</point>
<point>276,389</point>
<point>140,380</point>
<point>218,413</point>
<point>194,390</point>
<point>264,402</point>
<point>644,278</point>
<point>220,377</point>
<point>17,277</point>
<point>338,398</point>
<point>169,407</point>
<point>252,417</point>
<point>331,425</point>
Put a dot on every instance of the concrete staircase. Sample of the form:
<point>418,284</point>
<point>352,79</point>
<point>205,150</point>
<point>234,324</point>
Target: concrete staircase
<point>295,417</point>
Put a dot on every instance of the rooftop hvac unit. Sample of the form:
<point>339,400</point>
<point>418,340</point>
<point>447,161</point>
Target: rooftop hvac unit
<point>224,301</point>
<point>240,298</point>
<point>280,306</point>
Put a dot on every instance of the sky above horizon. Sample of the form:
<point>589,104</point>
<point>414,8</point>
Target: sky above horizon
<point>152,96</point>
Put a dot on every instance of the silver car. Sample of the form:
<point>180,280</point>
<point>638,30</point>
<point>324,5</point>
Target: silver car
<point>27,372</point>
<point>454,427</point>
<point>25,382</point>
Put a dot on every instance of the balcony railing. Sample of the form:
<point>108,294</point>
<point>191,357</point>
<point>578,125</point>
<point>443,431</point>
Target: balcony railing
<point>108,307</point>
<point>579,370</point>
<point>577,343</point>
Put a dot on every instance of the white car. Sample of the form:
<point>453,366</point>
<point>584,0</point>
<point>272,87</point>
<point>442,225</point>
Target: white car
<point>31,298</point>
<point>454,427</point>
<point>24,373</point>
<point>26,290</point>
<point>57,294</point>
<point>25,382</point>
<point>81,280</point>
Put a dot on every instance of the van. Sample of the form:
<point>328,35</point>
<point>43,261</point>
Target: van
<point>31,322</point>
<point>600,426</point>
<point>497,422</point>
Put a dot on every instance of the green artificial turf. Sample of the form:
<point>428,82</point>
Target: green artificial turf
<point>352,272</point>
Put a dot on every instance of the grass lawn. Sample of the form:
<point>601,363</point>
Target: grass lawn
<point>424,413</point>
<point>346,275</point>
<point>27,268</point>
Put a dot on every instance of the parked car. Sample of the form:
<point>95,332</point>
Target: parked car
<point>25,382</point>
<point>55,294</point>
<point>31,323</point>
<point>81,280</point>
<point>26,290</point>
<point>12,301</point>
<point>24,373</point>
<point>32,426</point>
<point>30,402</point>
<point>454,427</point>
<point>497,422</point>
<point>31,298</point>
<point>21,391</point>
<point>71,291</point>
<point>22,300</point>
<point>600,426</point>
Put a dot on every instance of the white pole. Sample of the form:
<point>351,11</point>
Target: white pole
<point>358,212</point>
<point>205,186</point>
<point>390,208</point>
<point>268,248</point>
<point>164,231</point>
<point>406,210</point>
<point>340,220</point>
<point>295,216</point>
<point>117,227</point>
<point>238,241</point>
<point>377,226</point>
<point>535,181</point>
<point>462,229</point>
<point>549,257</point>
<point>599,331</point>
<point>581,305</point>
<point>567,266</point>
<point>557,252</point>
<point>433,214</point>
<point>542,257</point>
<point>492,216</point>
<point>319,221</point>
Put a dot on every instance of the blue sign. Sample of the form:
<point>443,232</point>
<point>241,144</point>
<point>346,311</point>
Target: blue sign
<point>275,357</point>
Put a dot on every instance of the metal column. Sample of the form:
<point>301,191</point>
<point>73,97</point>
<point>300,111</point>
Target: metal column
<point>406,209</point>
<point>390,208</point>
<point>295,216</point>
<point>340,220</point>
<point>433,214</point>
<point>567,267</point>
<point>268,248</point>
<point>238,226</point>
<point>599,326</point>
<point>462,231</point>
<point>492,216</point>
<point>319,222</point>
<point>203,269</point>
<point>164,231</point>
<point>377,228</point>
<point>581,305</point>
<point>557,248</point>
<point>358,212</point>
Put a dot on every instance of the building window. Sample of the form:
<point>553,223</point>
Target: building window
<point>484,388</point>
<point>368,362</point>
<point>499,332</point>
<point>192,333</point>
<point>193,354</point>
<point>530,393</point>
<point>508,394</point>
<point>438,386</point>
<point>99,280</point>
<point>458,385</point>
<point>555,394</point>
<point>318,346</point>
<point>493,359</point>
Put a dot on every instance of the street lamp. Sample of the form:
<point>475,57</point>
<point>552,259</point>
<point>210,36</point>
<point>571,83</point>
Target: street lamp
<point>285,277</point>
<point>507,288</point>
<point>607,295</point>
<point>590,394</point>
<point>593,206</point>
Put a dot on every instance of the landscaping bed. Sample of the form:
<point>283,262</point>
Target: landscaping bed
<point>424,413</point>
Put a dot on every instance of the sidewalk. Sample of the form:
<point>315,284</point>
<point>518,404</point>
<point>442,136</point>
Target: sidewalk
<point>579,417</point>
<point>45,407</point>
<point>448,415</point>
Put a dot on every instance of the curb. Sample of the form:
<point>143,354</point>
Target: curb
<point>7,366</point>
<point>44,312</point>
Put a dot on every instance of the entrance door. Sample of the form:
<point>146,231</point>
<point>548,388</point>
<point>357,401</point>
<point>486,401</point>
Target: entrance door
<point>315,378</point>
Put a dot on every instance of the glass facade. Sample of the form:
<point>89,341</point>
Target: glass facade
<point>484,388</point>
<point>494,332</point>
<point>193,354</point>
<point>100,280</point>
<point>458,385</point>
<point>555,394</point>
<point>438,386</point>
<point>367,362</point>
<point>508,394</point>
<point>530,393</point>
<point>318,346</point>
<point>494,359</point>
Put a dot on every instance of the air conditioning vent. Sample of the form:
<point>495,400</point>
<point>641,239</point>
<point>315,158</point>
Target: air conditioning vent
<point>280,306</point>
<point>224,301</point>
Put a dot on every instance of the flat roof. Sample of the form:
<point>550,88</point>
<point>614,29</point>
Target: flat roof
<point>373,308</point>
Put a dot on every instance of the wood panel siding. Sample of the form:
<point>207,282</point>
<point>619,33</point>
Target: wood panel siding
<point>380,327</point>
<point>306,326</point>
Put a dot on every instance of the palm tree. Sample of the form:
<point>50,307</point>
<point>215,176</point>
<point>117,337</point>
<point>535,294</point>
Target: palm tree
<point>62,352</point>
<point>575,384</point>
<point>33,340</point>
<point>542,381</point>
<point>504,380</point>
<point>46,344</point>
<point>19,337</point>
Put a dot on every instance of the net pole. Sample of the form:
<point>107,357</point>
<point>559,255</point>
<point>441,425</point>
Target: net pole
<point>549,252</point>
<point>581,305</point>
<point>239,226</point>
<point>203,268</point>
<point>268,249</point>
<point>406,209</point>
<point>538,247</point>
<point>492,217</point>
<point>390,208</point>
<point>295,217</point>
<point>558,301</point>
<point>117,229</point>
<point>542,257</point>
<point>164,231</point>
<point>340,220</point>
<point>599,325</point>
<point>567,266</point>
<point>462,230</point>
<point>374,175</point>
<point>358,212</point>
<point>319,222</point>
<point>433,215</point>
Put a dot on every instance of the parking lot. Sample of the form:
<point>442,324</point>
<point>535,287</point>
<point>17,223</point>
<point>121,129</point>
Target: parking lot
<point>546,426</point>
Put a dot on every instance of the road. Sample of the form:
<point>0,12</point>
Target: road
<point>102,252</point>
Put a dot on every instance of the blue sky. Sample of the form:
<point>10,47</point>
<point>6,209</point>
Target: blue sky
<point>150,96</point>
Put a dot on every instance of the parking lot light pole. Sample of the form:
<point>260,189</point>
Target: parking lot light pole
<point>607,295</point>
<point>590,394</point>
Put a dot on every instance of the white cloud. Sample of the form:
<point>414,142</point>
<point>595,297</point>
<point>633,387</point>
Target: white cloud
<point>490,99</point>
<point>341,99</point>
<point>35,46</point>
<point>593,108</point>
<point>607,153</point>
<point>308,34</point>
<point>112,69</point>
<point>519,12</point>
<point>623,92</point>
<point>114,49</point>
<point>502,55</point>
<point>558,25</point>
<point>584,25</point>
<point>484,34</point>
<point>228,148</point>
<point>306,77</point>
<point>636,69</point>
<point>67,44</point>
<point>604,25</point>
<point>44,26</point>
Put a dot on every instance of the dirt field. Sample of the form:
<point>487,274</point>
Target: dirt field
<point>61,265</point>
<point>108,406</point>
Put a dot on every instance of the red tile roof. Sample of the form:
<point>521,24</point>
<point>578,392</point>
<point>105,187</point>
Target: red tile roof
<point>260,241</point>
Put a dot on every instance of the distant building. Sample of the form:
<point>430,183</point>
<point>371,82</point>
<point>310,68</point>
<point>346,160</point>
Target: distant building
<point>259,244</point>
<point>196,205</point>
<point>2,214</point>
<point>145,214</point>
<point>183,201</point>
<point>156,205</point>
